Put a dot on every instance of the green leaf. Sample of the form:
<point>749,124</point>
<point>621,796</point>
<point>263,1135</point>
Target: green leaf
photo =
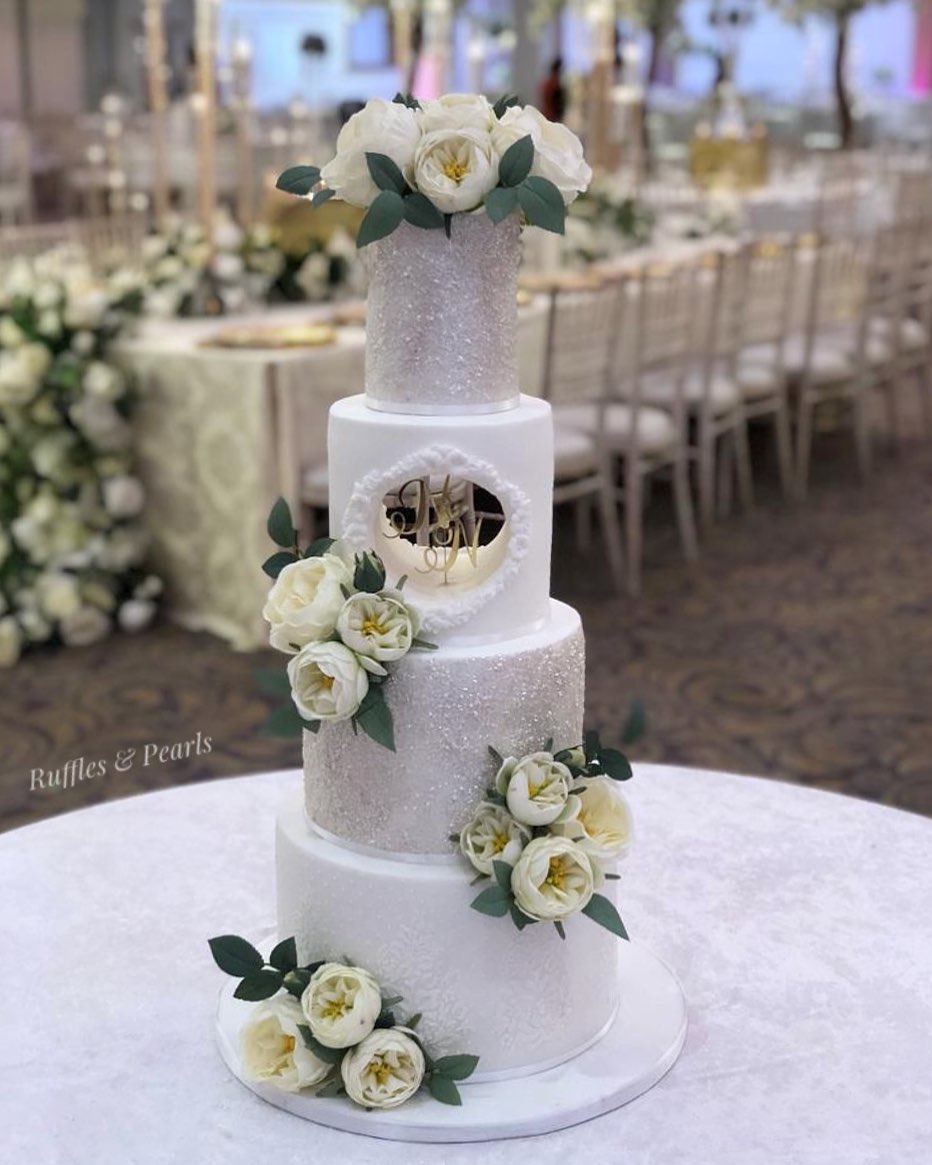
<point>502,872</point>
<point>542,204</point>
<point>332,1086</point>
<point>298,180</point>
<point>328,1055</point>
<point>296,981</point>
<point>558,926</point>
<point>421,212</point>
<point>284,721</point>
<point>615,764</point>
<point>370,573</point>
<point>443,1089</point>
<point>612,877</point>
<point>516,162</point>
<point>413,1020</point>
<point>548,745</point>
<point>496,756</point>
<point>504,103</point>
<point>601,910</point>
<point>448,225</point>
<point>456,1067</point>
<point>235,955</point>
<point>385,173</point>
<point>374,717</point>
<point>519,918</point>
<point>274,565</point>
<point>321,196</point>
<point>636,724</point>
<point>284,957</point>
<point>406,99</point>
<point>500,202</point>
<point>280,525</point>
<point>318,547</point>
<point>400,584</point>
<point>424,644</point>
<point>385,1019</point>
<point>390,1001</point>
<point>591,745</point>
<point>382,217</point>
<point>494,902</point>
<point>273,681</point>
<point>260,985</point>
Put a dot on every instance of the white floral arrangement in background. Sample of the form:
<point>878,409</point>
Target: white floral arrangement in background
<point>545,832</point>
<point>329,1027</point>
<point>606,220</point>
<point>72,548</point>
<point>404,161</point>
<point>333,613</point>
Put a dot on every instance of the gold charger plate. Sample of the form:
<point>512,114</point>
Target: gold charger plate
<point>273,336</point>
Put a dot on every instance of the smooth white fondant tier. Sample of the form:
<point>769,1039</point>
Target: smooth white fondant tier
<point>520,1000</point>
<point>508,454</point>
<point>448,707</point>
<point>442,317</point>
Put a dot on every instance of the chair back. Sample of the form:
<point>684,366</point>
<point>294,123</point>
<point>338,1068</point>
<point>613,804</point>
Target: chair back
<point>108,241</point>
<point>581,325</point>
<point>768,288</point>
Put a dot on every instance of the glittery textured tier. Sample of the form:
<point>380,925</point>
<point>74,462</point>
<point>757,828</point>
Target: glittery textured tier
<point>521,1001</point>
<point>441,320</point>
<point>448,707</point>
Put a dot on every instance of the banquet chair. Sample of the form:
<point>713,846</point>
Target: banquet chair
<point>650,338</point>
<point>103,242</point>
<point>16,201</point>
<point>582,316</point>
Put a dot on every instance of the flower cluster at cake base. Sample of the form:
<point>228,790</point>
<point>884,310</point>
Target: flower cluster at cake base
<point>334,614</point>
<point>328,1027</point>
<point>547,829</point>
<point>72,547</point>
<point>423,163</point>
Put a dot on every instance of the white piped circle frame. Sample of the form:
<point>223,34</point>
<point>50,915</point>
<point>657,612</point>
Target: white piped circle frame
<point>361,532</point>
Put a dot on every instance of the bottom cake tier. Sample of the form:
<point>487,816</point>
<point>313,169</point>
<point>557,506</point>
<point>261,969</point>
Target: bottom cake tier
<point>522,1001</point>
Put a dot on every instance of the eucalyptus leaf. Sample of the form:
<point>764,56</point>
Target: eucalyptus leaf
<point>400,584</point>
<point>328,1055</point>
<point>273,681</point>
<point>448,225</point>
<point>235,955</point>
<point>502,872</point>
<point>443,1089</point>
<point>615,764</point>
<point>458,1067</point>
<point>333,1086</point>
<point>519,918</point>
<point>321,196</point>
<point>298,180</point>
<point>501,202</point>
<point>601,910</point>
<point>369,575</point>
<point>259,985</point>
<point>493,901</point>
<point>296,981</point>
<point>542,204</point>
<point>284,956</point>
<point>516,162</point>
<point>505,103</point>
<point>276,563</point>
<point>318,547</point>
<point>548,745</point>
<point>284,721</point>
<point>413,1020</point>
<point>382,217</point>
<point>280,524</point>
<point>421,212</point>
<point>558,926</point>
<point>591,745</point>
<point>385,173</point>
<point>496,756</point>
<point>374,717</point>
<point>424,644</point>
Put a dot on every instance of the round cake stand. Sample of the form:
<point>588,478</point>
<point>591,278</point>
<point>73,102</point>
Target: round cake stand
<point>638,1049</point>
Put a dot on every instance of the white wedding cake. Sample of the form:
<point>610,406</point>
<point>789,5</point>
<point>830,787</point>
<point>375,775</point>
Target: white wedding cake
<point>439,685</point>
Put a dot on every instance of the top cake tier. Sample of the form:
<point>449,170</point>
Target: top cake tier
<point>442,318</point>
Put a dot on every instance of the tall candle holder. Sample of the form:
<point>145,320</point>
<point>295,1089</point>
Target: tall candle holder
<point>206,108</point>
<point>156,71</point>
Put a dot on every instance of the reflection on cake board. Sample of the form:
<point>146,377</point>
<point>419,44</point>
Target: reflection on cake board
<point>640,1046</point>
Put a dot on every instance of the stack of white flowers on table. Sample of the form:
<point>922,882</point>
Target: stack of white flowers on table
<point>333,1030</point>
<point>71,546</point>
<point>548,828</point>
<point>334,614</point>
<point>422,163</point>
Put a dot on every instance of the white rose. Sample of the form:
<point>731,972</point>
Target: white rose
<point>98,594</point>
<point>492,835</point>
<point>150,588</point>
<point>11,334</point>
<point>558,152</point>
<point>313,277</point>
<point>602,825</point>
<point>47,295</point>
<point>50,454</point>
<point>49,324</point>
<point>341,245</point>
<point>21,373</point>
<point>228,236</point>
<point>4,554</point>
<point>125,547</point>
<point>124,496</point>
<point>163,303</point>
<point>168,269</point>
<point>100,423</point>
<point>84,626</point>
<point>86,310</point>
<point>82,343</point>
<point>58,594</point>
<point>153,248</point>
<point>11,641</point>
<point>341,1004</point>
<point>382,127</point>
<point>456,111</point>
<point>273,1049</point>
<point>305,601</point>
<point>36,627</point>
<point>327,681</point>
<point>385,1070</point>
<point>552,879</point>
<point>135,615</point>
<point>455,169</point>
<point>536,788</point>
<point>103,381</point>
<point>380,627</point>
<point>228,268</point>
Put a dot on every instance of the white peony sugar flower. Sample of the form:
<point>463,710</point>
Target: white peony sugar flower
<point>536,788</point>
<point>552,879</point>
<point>327,682</point>
<point>455,111</point>
<point>380,627</point>
<point>385,1070</point>
<point>273,1049</point>
<point>456,169</point>
<point>341,1004</point>
<point>602,825</point>
<point>382,127</point>
<point>492,835</point>
<point>558,152</point>
<point>305,601</point>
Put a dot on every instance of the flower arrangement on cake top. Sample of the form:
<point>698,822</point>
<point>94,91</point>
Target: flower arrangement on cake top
<point>404,161</point>
<point>329,1027</point>
<point>548,826</point>
<point>333,613</point>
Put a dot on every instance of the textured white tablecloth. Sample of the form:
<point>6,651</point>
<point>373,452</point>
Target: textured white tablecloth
<point>798,922</point>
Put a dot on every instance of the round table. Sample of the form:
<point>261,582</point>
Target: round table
<point>798,922</point>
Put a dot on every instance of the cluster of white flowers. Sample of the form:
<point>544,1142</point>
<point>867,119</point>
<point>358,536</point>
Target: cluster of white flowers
<point>71,548</point>
<point>341,626</point>
<point>556,830</point>
<point>449,150</point>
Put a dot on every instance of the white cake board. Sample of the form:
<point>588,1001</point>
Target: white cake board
<point>639,1048</point>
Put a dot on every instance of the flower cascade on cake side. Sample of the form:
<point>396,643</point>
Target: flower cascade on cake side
<point>422,163</point>
<point>329,1027</point>
<point>333,613</point>
<point>548,826</point>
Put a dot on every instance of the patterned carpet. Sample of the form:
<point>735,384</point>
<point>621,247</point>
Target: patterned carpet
<point>800,647</point>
